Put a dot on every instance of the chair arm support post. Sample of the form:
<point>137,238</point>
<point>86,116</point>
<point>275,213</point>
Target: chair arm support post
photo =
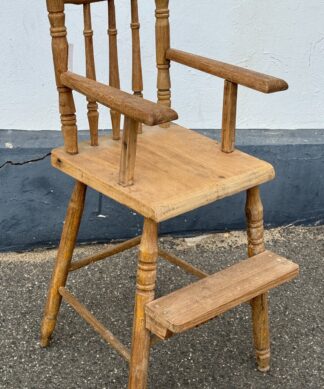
<point>237,75</point>
<point>134,107</point>
<point>229,116</point>
<point>128,152</point>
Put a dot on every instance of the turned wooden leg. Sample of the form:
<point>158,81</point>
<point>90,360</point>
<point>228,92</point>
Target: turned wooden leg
<point>146,275</point>
<point>261,333</point>
<point>259,305</point>
<point>63,260</point>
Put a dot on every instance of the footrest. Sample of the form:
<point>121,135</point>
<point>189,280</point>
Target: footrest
<point>207,298</point>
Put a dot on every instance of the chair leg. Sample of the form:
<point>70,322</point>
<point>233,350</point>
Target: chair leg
<point>63,260</point>
<point>259,305</point>
<point>261,333</point>
<point>145,288</point>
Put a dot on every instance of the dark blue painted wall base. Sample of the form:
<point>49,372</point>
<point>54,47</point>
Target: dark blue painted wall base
<point>34,196</point>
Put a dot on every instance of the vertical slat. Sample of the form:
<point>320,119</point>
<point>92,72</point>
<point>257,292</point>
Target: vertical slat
<point>145,289</point>
<point>229,117</point>
<point>137,78</point>
<point>259,304</point>
<point>60,58</point>
<point>113,65</point>
<point>93,114</point>
<point>162,39</point>
<point>128,152</point>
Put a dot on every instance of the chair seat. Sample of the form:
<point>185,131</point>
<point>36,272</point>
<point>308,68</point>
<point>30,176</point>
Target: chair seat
<point>177,170</point>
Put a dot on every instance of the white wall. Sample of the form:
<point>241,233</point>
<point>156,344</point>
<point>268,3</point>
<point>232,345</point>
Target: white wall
<point>283,38</point>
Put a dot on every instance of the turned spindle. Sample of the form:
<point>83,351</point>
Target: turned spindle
<point>162,39</point>
<point>93,114</point>
<point>259,304</point>
<point>137,78</point>
<point>145,288</point>
<point>254,216</point>
<point>229,116</point>
<point>60,58</point>
<point>113,65</point>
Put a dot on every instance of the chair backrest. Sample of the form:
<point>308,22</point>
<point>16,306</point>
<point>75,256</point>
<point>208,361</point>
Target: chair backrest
<point>60,56</point>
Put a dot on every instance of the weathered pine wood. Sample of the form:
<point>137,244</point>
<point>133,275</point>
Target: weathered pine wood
<point>63,260</point>
<point>197,172</point>
<point>137,78</point>
<point>259,304</point>
<point>205,299</point>
<point>162,42</point>
<point>95,324</point>
<point>128,152</point>
<point>93,114</point>
<point>113,65</point>
<point>237,75</point>
<point>139,109</point>
<point>183,264</point>
<point>178,170</point>
<point>229,117</point>
<point>60,57</point>
<point>118,248</point>
<point>145,288</point>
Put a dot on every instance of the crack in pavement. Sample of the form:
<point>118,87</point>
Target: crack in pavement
<point>24,162</point>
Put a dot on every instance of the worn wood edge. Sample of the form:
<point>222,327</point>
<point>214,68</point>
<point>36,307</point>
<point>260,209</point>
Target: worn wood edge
<point>128,200</point>
<point>128,244</point>
<point>182,264</point>
<point>249,78</point>
<point>181,328</point>
<point>160,331</point>
<point>209,316</point>
<point>95,324</point>
<point>164,213</point>
<point>133,106</point>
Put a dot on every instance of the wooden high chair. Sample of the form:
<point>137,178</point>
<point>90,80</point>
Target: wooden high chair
<point>177,170</point>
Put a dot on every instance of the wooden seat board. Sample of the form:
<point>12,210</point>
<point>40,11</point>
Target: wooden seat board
<point>215,294</point>
<point>176,170</point>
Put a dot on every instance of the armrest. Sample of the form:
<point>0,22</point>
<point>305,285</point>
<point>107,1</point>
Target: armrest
<point>235,74</point>
<point>135,107</point>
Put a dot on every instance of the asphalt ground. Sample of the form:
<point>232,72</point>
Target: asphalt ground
<point>218,354</point>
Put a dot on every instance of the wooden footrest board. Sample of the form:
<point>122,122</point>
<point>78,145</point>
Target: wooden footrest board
<point>207,298</point>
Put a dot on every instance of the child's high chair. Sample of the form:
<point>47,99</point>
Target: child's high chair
<point>160,170</point>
